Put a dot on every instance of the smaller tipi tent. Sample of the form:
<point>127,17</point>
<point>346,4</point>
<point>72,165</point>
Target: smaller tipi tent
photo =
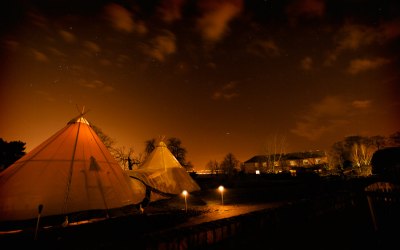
<point>70,174</point>
<point>163,175</point>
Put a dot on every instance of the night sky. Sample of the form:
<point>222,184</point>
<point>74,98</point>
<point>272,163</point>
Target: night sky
<point>222,76</point>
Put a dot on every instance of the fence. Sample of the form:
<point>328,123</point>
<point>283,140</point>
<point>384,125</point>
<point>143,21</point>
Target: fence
<point>249,227</point>
<point>384,205</point>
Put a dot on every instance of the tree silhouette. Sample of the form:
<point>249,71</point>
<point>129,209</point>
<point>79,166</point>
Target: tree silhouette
<point>213,166</point>
<point>386,164</point>
<point>175,146</point>
<point>125,157</point>
<point>230,164</point>
<point>394,139</point>
<point>150,146</point>
<point>10,152</point>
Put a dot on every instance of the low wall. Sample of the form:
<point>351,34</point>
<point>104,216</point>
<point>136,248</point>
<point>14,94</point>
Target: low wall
<point>252,225</point>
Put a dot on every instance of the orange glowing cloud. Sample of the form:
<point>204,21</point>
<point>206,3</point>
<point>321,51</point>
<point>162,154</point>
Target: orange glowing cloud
<point>216,15</point>
<point>122,20</point>
<point>96,85</point>
<point>323,117</point>
<point>354,36</point>
<point>67,36</point>
<point>161,46</point>
<point>40,56</point>
<point>359,65</point>
<point>91,46</point>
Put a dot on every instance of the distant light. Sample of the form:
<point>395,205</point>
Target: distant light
<point>221,188</point>
<point>257,171</point>
<point>185,193</point>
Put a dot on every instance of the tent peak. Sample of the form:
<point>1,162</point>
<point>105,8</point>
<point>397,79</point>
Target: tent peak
<point>161,142</point>
<point>80,117</point>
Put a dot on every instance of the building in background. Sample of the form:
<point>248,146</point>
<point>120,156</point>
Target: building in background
<point>296,162</point>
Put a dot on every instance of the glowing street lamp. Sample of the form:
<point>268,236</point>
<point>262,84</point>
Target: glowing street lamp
<point>185,193</point>
<point>221,190</point>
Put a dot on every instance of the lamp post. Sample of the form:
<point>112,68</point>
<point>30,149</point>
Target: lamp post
<point>40,208</point>
<point>185,193</point>
<point>221,190</point>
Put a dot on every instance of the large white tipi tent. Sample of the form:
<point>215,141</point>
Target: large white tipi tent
<point>70,175</point>
<point>163,175</point>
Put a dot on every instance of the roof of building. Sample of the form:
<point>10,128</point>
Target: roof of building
<point>288,156</point>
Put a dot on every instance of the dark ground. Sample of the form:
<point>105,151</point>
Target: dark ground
<point>349,228</point>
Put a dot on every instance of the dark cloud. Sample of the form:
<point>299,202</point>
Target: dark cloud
<point>226,92</point>
<point>170,10</point>
<point>307,63</point>
<point>264,48</point>
<point>305,9</point>
<point>330,114</point>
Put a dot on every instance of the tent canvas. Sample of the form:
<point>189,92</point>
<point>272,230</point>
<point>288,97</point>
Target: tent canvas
<point>162,173</point>
<point>70,173</point>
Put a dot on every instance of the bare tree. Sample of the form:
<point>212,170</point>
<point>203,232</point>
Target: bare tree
<point>356,152</point>
<point>213,166</point>
<point>362,154</point>
<point>274,150</point>
<point>379,141</point>
<point>394,139</point>
<point>189,166</point>
<point>230,164</point>
<point>127,158</point>
<point>336,157</point>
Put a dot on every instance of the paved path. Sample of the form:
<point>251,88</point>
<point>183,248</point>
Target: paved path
<point>216,212</point>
